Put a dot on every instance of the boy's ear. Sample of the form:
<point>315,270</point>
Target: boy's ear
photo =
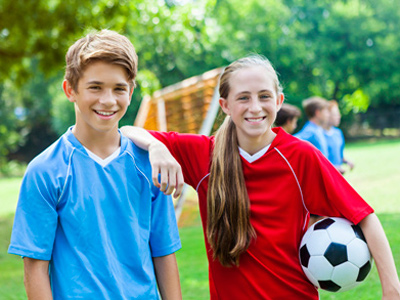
<point>224,105</point>
<point>130,94</point>
<point>68,90</point>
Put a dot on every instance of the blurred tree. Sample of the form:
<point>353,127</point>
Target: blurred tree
<point>9,121</point>
<point>345,49</point>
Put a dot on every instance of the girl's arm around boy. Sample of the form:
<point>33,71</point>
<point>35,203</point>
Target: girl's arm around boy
<point>162,161</point>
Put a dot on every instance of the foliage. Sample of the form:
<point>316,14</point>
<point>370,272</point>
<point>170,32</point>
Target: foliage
<point>347,50</point>
<point>8,135</point>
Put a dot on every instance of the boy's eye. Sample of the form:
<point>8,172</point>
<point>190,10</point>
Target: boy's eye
<point>94,87</point>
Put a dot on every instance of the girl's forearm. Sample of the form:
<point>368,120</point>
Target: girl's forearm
<point>382,254</point>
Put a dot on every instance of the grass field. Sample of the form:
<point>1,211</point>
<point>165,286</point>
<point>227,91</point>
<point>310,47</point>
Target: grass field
<point>376,177</point>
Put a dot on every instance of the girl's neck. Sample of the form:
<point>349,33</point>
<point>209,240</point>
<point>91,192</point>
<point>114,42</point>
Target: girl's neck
<point>252,146</point>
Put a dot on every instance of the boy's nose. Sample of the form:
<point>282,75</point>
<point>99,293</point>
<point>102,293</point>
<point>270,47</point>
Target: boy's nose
<point>107,98</point>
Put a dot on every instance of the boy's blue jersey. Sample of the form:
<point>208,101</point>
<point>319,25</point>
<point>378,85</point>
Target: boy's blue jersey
<point>335,141</point>
<point>98,226</point>
<point>315,135</point>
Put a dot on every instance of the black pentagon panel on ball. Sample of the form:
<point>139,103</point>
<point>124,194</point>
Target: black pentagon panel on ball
<point>324,224</point>
<point>364,271</point>
<point>336,254</point>
<point>304,256</point>
<point>329,285</point>
<point>358,232</point>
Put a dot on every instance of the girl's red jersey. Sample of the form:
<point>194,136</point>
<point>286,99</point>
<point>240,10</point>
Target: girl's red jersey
<point>290,181</point>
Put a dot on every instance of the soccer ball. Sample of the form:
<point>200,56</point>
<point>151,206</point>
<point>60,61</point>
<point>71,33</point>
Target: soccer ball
<point>334,255</point>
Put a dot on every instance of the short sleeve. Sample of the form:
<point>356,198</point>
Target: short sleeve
<point>192,151</point>
<point>164,235</point>
<point>35,221</point>
<point>326,192</point>
<point>341,144</point>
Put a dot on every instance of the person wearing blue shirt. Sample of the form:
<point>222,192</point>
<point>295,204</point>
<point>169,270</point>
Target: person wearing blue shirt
<point>335,139</point>
<point>89,222</point>
<point>316,110</point>
<point>287,117</point>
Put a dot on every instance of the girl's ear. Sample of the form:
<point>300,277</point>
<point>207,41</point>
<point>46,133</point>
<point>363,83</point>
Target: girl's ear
<point>224,105</point>
<point>279,101</point>
<point>68,90</point>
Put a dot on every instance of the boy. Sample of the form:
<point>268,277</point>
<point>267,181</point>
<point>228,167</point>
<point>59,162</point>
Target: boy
<point>287,117</point>
<point>335,138</point>
<point>89,223</point>
<point>317,113</point>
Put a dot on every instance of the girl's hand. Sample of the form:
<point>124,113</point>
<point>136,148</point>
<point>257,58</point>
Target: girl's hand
<point>163,163</point>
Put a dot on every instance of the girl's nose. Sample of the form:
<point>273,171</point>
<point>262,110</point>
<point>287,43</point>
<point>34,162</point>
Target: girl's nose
<point>255,105</point>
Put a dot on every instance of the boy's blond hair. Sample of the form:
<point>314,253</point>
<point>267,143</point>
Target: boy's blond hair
<point>105,45</point>
<point>311,105</point>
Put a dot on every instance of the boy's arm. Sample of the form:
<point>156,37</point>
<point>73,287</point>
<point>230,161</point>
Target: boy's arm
<point>167,274</point>
<point>36,279</point>
<point>382,254</point>
<point>162,162</point>
<point>349,163</point>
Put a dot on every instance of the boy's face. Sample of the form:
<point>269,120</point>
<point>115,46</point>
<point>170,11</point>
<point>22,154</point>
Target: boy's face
<point>335,116</point>
<point>291,125</point>
<point>322,116</point>
<point>102,98</point>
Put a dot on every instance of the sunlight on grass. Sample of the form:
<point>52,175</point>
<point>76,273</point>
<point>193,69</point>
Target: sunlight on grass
<point>376,175</point>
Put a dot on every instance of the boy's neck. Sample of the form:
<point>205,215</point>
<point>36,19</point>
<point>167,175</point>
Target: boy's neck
<point>315,121</point>
<point>103,144</point>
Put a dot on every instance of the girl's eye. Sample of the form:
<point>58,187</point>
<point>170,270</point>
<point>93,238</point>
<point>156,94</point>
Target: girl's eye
<point>243,98</point>
<point>265,96</point>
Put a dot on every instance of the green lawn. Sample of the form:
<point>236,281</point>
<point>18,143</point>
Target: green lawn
<point>377,173</point>
<point>9,193</point>
<point>376,177</point>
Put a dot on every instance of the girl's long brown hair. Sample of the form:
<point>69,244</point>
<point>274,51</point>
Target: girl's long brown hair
<point>229,230</point>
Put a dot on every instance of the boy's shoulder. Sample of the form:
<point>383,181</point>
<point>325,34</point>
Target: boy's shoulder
<point>134,150</point>
<point>54,157</point>
<point>140,156</point>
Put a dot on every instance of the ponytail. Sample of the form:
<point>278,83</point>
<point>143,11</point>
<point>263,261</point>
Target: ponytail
<point>229,231</point>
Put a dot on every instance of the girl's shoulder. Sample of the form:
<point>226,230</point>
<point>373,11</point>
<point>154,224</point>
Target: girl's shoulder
<point>189,141</point>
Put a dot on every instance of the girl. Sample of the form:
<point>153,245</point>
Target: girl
<point>257,187</point>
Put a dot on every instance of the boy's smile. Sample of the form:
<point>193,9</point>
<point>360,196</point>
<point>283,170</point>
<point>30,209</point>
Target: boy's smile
<point>101,100</point>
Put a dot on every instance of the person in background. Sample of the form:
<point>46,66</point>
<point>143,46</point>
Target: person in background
<point>317,112</point>
<point>335,139</point>
<point>89,222</point>
<point>287,117</point>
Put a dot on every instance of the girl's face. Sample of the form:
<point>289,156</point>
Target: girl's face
<point>252,104</point>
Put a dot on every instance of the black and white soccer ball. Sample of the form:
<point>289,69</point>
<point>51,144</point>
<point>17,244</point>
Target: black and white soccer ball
<point>334,255</point>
